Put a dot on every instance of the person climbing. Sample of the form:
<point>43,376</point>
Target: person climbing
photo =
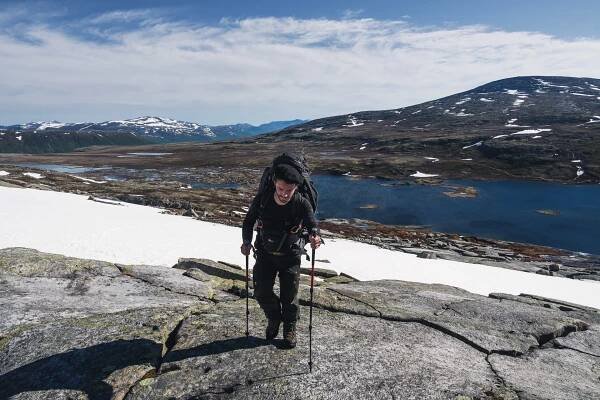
<point>284,218</point>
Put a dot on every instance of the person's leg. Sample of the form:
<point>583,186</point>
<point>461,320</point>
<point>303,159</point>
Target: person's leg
<point>289,279</point>
<point>263,276</point>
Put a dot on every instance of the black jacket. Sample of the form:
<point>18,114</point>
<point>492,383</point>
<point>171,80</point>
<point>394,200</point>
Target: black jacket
<point>278,221</point>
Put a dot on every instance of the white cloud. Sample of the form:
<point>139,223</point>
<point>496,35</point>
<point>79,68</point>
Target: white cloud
<point>350,13</point>
<point>122,16</point>
<point>262,69</point>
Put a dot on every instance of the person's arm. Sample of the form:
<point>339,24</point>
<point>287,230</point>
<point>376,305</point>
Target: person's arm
<point>310,222</point>
<point>250,219</point>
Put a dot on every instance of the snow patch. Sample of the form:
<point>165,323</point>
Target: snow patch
<point>19,137</point>
<point>463,101</point>
<point>423,175</point>
<point>499,136</point>
<point>548,84</point>
<point>319,129</point>
<point>462,113</point>
<point>86,180</point>
<point>575,161</point>
<point>486,100</point>
<point>416,112</point>
<point>594,119</point>
<point>4,173</point>
<point>433,159</point>
<point>531,131</point>
<point>34,175</point>
<point>352,122</point>
<point>46,125</point>
<point>149,154</point>
<point>582,94</point>
<point>472,145</point>
<point>579,171</point>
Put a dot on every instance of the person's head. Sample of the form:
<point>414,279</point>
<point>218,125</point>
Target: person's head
<point>286,179</point>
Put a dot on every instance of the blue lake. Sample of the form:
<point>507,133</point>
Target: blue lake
<point>502,209</point>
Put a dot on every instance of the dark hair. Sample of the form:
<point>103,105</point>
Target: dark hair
<point>287,173</point>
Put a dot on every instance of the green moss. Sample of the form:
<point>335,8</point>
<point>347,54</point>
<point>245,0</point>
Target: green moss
<point>13,333</point>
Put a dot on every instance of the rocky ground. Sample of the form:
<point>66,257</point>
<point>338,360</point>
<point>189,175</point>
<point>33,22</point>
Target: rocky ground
<point>84,329</point>
<point>229,191</point>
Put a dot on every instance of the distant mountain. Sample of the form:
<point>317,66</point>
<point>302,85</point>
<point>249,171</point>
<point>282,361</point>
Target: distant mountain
<point>12,141</point>
<point>545,127</point>
<point>54,136</point>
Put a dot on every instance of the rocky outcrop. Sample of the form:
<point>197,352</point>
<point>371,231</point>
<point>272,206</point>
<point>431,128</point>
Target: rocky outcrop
<point>83,329</point>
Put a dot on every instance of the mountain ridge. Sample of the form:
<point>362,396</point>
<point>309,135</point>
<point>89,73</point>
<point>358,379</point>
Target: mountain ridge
<point>55,136</point>
<point>537,126</point>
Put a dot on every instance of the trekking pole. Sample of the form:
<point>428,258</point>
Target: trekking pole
<point>312,280</point>
<point>247,295</point>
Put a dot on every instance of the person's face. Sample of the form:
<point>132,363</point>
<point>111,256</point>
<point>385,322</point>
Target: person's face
<point>284,191</point>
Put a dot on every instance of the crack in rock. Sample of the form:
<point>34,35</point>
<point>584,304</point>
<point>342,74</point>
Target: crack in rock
<point>501,380</point>
<point>558,346</point>
<point>564,331</point>
<point>421,321</point>
<point>448,306</point>
<point>358,301</point>
<point>168,289</point>
<point>167,345</point>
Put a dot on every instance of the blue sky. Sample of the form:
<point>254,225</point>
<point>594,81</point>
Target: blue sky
<point>255,61</point>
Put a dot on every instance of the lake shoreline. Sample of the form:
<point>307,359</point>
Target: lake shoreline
<point>227,206</point>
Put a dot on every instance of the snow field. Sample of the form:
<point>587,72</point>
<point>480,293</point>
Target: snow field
<point>70,224</point>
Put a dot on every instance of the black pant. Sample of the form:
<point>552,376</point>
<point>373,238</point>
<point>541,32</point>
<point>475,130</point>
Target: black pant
<point>267,266</point>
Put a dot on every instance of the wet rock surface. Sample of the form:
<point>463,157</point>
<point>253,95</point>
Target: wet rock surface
<point>84,329</point>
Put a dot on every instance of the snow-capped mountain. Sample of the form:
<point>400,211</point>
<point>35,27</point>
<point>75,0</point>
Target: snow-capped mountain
<point>155,127</point>
<point>58,136</point>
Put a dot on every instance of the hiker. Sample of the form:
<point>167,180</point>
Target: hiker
<point>282,213</point>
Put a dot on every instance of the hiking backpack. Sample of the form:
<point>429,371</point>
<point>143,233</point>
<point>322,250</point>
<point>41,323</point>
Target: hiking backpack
<point>306,188</point>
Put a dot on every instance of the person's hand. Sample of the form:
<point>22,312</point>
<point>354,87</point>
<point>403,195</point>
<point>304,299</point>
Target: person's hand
<point>245,249</point>
<point>315,241</point>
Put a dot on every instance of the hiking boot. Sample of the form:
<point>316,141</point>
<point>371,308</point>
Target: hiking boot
<point>289,334</point>
<point>272,329</point>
